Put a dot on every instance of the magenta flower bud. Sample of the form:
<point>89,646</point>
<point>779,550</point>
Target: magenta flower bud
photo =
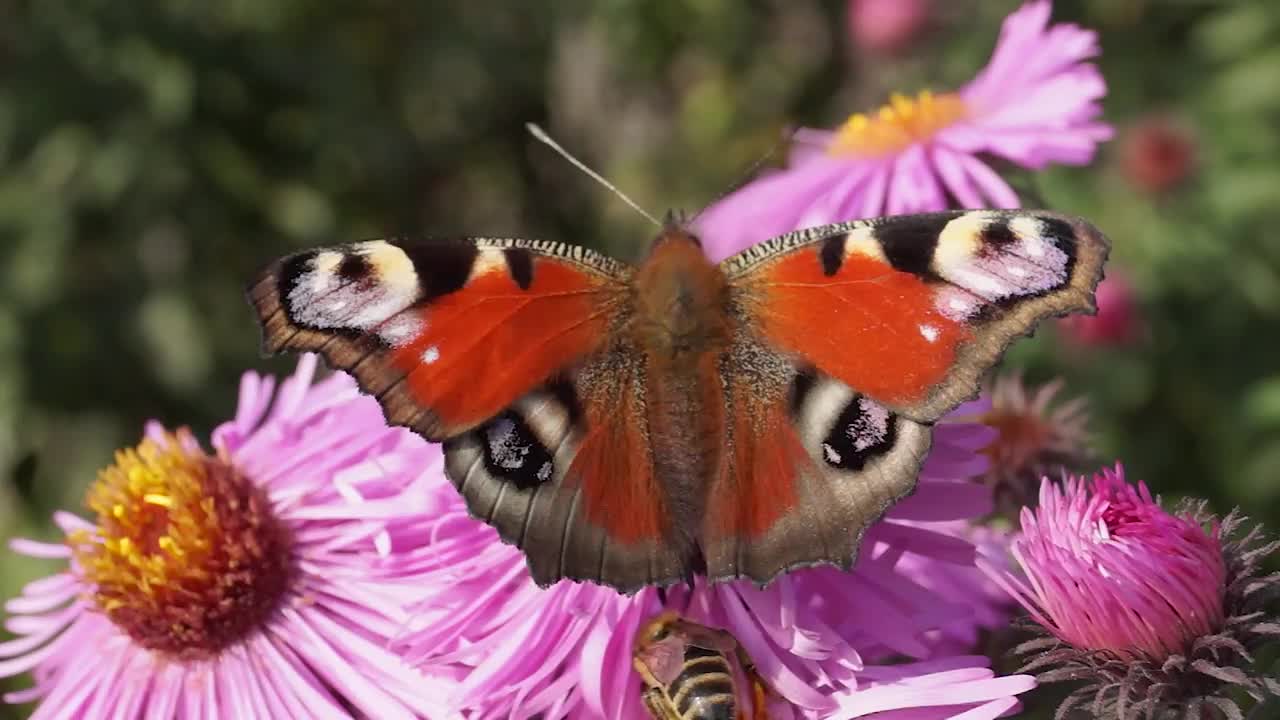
<point>1156,612</point>
<point>1108,569</point>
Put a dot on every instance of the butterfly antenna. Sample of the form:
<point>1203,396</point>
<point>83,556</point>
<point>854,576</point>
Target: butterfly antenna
<point>542,135</point>
<point>742,179</point>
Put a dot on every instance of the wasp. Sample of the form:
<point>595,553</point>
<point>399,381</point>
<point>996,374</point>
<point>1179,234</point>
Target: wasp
<point>687,674</point>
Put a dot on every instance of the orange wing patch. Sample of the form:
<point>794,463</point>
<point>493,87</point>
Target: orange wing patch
<point>483,346</point>
<point>759,485</point>
<point>873,327</point>
<point>758,479</point>
<point>614,467</point>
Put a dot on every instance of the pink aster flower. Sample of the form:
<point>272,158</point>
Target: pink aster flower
<point>243,583</point>
<point>988,607</point>
<point>1158,613</point>
<point>1035,103</point>
<point>816,635</point>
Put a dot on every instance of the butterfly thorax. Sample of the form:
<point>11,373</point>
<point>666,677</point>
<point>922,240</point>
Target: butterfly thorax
<point>681,328</point>
<point>680,300</point>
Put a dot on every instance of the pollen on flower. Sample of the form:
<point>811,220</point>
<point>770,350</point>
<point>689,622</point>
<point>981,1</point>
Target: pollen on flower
<point>187,557</point>
<point>903,122</point>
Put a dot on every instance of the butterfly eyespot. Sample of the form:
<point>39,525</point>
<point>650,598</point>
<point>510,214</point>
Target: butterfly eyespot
<point>862,431</point>
<point>512,453</point>
<point>507,448</point>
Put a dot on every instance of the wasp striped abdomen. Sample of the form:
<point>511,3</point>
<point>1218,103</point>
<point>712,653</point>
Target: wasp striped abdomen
<point>704,689</point>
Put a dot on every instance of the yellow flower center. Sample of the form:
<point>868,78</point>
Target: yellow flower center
<point>187,557</point>
<point>893,128</point>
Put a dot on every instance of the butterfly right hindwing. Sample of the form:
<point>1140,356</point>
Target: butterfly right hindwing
<point>810,464</point>
<point>566,474</point>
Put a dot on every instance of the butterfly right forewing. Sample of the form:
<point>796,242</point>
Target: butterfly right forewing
<point>913,310</point>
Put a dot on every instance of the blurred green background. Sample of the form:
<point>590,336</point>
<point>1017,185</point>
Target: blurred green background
<point>153,155</point>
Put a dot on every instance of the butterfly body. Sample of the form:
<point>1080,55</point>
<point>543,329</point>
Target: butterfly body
<point>681,330</point>
<point>633,425</point>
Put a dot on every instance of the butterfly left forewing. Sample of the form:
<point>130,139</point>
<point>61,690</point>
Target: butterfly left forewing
<point>913,310</point>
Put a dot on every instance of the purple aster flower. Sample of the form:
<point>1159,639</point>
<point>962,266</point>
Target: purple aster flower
<point>1035,103</point>
<point>1157,613</point>
<point>815,635</point>
<point>243,583</point>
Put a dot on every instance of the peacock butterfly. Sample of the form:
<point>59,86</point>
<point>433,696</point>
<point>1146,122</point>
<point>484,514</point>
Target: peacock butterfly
<point>632,425</point>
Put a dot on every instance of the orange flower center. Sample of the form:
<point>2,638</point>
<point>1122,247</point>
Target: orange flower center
<point>893,128</point>
<point>187,557</point>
